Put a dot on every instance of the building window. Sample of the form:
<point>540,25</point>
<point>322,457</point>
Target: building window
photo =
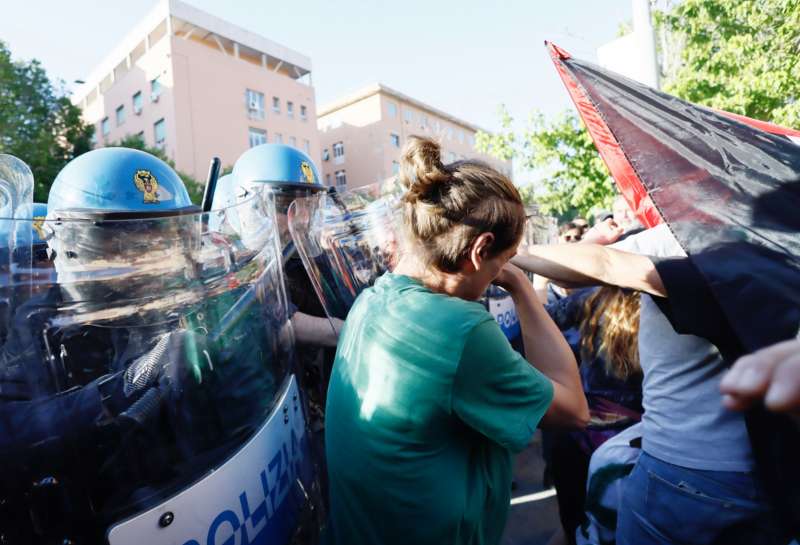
<point>290,109</point>
<point>303,112</point>
<point>293,141</point>
<point>471,140</point>
<point>306,146</point>
<point>449,133</point>
<point>276,104</point>
<point>326,155</point>
<point>461,136</point>
<point>160,131</point>
<point>140,136</point>
<point>120,115</point>
<point>257,137</point>
<point>105,126</point>
<point>278,138</point>
<point>451,157</point>
<point>341,179</point>
<point>395,140</point>
<point>395,167</point>
<point>408,115</point>
<point>155,89</point>
<point>137,103</point>
<point>423,121</point>
<point>338,149</point>
<point>327,179</point>
<point>391,108</point>
<point>255,104</point>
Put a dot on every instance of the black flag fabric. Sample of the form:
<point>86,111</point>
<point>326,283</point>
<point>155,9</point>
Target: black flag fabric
<point>728,187</point>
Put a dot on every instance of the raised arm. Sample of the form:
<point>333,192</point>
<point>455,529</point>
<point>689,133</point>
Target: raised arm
<point>575,265</point>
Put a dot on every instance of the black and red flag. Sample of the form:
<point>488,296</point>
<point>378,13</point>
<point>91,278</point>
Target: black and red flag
<point>728,187</point>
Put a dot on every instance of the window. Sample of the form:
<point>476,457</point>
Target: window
<point>155,89</point>
<point>160,131</point>
<point>140,136</point>
<point>293,141</point>
<point>303,112</point>
<point>408,115</point>
<point>255,104</point>
<point>391,108</point>
<point>306,146</point>
<point>326,155</point>
<point>338,149</point>
<point>105,126</point>
<point>395,140</point>
<point>461,136</point>
<point>451,157</point>
<point>327,179</point>
<point>137,103</point>
<point>395,167</point>
<point>341,179</point>
<point>423,121</point>
<point>471,140</point>
<point>276,104</point>
<point>278,138</point>
<point>257,137</point>
<point>449,133</point>
<point>120,115</point>
<point>290,109</point>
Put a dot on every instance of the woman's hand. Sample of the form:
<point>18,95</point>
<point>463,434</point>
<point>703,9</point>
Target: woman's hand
<point>510,278</point>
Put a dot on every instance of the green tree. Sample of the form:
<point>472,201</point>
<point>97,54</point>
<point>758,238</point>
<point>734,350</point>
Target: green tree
<point>38,123</point>
<point>572,178</point>
<point>737,55</point>
<point>194,187</point>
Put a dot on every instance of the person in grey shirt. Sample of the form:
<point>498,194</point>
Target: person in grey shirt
<point>695,481</point>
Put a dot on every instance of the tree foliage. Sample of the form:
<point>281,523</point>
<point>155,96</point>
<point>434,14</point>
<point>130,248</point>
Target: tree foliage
<point>38,123</point>
<point>738,55</point>
<point>572,178</point>
<point>194,187</point>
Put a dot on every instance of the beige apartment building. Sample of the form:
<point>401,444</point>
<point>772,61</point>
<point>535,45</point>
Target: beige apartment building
<point>362,134</point>
<point>198,87</point>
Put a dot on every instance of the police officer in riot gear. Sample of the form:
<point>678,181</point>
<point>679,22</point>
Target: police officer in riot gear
<point>289,174</point>
<point>147,365</point>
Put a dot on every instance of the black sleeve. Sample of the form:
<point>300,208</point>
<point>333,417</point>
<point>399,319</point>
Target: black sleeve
<point>691,307</point>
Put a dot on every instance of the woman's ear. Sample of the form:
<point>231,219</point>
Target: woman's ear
<point>480,249</point>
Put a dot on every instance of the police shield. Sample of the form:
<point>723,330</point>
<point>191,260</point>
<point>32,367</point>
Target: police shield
<point>147,392</point>
<point>346,240</point>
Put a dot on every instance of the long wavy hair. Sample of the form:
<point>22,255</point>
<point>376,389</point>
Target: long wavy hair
<point>610,327</point>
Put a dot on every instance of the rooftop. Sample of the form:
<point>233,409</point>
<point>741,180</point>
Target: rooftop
<point>377,88</point>
<point>176,17</point>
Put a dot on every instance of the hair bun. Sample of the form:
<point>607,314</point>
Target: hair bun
<point>421,168</point>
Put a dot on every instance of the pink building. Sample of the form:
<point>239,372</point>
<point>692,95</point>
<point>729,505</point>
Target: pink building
<point>362,134</point>
<point>198,86</point>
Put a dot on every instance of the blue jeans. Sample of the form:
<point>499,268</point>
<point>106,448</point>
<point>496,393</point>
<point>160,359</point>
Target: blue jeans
<point>667,504</point>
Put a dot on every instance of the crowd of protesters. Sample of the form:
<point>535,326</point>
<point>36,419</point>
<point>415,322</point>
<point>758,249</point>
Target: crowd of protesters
<point>428,401</point>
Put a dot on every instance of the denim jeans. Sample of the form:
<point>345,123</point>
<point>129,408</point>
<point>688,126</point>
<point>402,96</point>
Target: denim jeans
<point>667,504</point>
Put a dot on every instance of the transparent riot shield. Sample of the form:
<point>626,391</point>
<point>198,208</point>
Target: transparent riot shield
<point>147,392</point>
<point>16,202</point>
<point>346,240</point>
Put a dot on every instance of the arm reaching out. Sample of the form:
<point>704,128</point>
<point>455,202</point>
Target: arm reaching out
<point>547,350</point>
<point>575,265</point>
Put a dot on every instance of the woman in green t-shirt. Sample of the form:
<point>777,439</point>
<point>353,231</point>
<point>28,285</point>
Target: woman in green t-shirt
<point>427,400</point>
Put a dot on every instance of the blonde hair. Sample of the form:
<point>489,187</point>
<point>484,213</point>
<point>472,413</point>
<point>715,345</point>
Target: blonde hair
<point>610,326</point>
<point>446,207</point>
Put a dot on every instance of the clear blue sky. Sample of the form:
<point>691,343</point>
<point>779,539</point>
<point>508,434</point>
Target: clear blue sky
<point>462,56</point>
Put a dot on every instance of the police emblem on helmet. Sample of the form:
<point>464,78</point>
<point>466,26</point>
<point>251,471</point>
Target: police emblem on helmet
<point>147,183</point>
<point>307,172</point>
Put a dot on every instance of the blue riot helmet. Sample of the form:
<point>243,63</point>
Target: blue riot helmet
<point>286,172</point>
<point>113,209</point>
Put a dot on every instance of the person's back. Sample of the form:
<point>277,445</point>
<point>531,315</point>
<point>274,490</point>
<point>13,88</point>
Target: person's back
<point>399,453</point>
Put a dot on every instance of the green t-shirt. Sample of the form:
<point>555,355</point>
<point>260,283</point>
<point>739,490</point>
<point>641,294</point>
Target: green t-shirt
<point>427,402</point>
